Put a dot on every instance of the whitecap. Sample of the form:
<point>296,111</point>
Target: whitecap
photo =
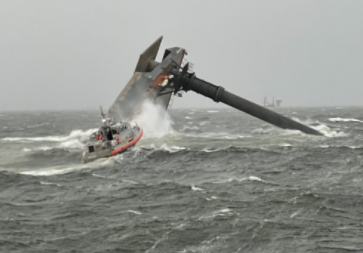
<point>172,149</point>
<point>134,212</point>
<point>253,178</point>
<point>35,139</point>
<point>328,132</point>
<point>211,111</point>
<point>74,140</point>
<point>180,226</point>
<point>324,129</point>
<point>196,188</point>
<point>48,183</point>
<point>344,146</point>
<point>294,214</point>
<point>75,134</point>
<point>355,147</point>
<point>129,181</point>
<point>345,120</point>
<point>212,198</point>
<point>324,146</point>
<point>285,145</point>
<point>223,212</point>
<point>212,150</point>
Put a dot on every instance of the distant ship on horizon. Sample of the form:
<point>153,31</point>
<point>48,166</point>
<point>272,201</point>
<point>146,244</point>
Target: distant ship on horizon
<point>267,104</point>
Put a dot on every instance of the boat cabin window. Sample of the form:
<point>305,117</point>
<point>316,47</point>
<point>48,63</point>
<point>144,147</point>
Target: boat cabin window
<point>91,149</point>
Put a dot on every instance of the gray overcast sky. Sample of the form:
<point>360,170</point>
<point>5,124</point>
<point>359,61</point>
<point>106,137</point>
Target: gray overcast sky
<point>80,54</point>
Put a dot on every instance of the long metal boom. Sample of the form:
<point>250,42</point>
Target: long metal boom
<point>219,94</point>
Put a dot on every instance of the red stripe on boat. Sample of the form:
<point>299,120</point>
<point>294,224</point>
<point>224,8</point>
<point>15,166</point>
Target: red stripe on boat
<point>131,143</point>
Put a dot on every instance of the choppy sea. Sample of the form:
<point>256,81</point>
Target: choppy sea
<point>204,180</point>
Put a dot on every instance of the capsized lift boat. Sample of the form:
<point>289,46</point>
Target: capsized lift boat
<point>111,139</point>
<point>157,82</point>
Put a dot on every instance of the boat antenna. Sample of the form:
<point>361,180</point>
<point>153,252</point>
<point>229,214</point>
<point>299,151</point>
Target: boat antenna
<point>102,114</point>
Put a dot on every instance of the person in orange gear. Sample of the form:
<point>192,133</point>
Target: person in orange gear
<point>99,137</point>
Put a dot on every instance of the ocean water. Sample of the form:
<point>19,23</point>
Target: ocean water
<point>202,180</point>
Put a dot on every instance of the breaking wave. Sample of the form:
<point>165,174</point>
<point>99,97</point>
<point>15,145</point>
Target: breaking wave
<point>75,134</point>
<point>75,140</point>
<point>328,132</point>
<point>322,128</point>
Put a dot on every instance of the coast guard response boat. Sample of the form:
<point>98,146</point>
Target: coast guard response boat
<point>111,139</point>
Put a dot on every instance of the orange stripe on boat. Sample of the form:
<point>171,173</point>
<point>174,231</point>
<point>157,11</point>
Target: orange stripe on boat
<point>131,143</point>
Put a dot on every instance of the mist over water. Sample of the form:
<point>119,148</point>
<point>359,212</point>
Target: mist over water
<point>204,180</point>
